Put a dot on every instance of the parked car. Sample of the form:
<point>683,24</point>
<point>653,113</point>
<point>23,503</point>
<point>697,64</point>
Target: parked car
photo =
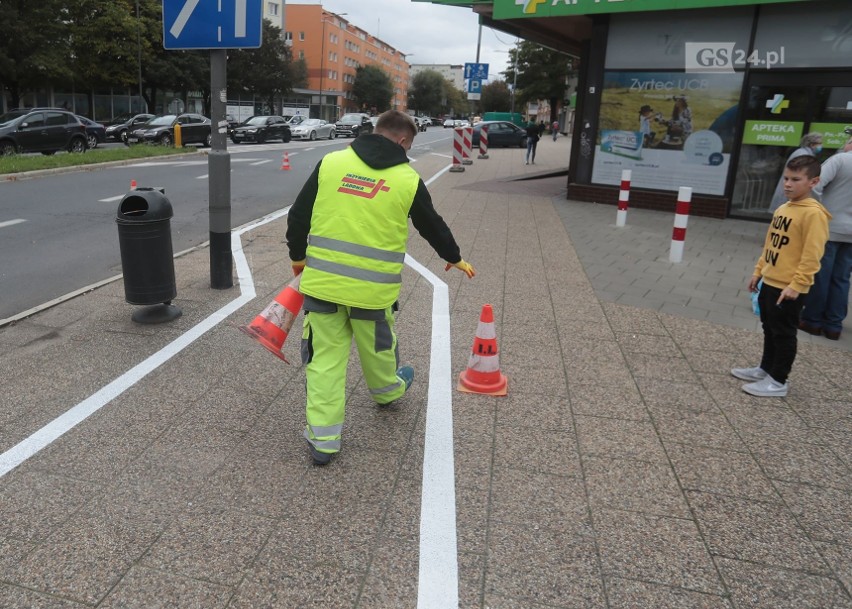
<point>296,119</point>
<point>95,132</point>
<point>354,124</point>
<point>194,129</point>
<point>118,128</point>
<point>313,128</point>
<point>45,131</point>
<point>500,133</point>
<point>259,129</point>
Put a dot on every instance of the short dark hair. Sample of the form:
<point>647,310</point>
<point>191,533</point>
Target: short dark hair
<point>396,122</point>
<point>807,163</point>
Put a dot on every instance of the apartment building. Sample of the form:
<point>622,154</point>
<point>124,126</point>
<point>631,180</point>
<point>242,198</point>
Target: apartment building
<point>333,49</point>
<point>273,12</point>
<point>453,73</point>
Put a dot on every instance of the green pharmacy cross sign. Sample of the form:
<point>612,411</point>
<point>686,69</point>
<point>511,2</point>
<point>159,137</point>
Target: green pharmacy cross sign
<point>514,9</point>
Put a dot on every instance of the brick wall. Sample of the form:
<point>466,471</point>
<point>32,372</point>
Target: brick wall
<point>702,205</point>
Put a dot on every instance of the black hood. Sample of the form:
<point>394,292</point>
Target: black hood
<point>378,151</point>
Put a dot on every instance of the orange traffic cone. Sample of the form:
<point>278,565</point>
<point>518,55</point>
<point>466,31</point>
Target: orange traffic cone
<point>483,368</point>
<point>271,327</point>
<point>132,184</point>
<point>285,162</point>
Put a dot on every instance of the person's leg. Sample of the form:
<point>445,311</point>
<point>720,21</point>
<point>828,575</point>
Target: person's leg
<point>326,341</point>
<point>379,353</point>
<point>765,301</point>
<point>813,314</point>
<point>783,325</point>
<point>837,300</point>
<point>534,146</point>
<point>529,148</point>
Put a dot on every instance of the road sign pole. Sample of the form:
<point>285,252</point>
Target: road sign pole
<point>219,182</point>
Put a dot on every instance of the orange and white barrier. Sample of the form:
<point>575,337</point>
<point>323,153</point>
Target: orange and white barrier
<point>467,148</point>
<point>483,368</point>
<point>458,150</point>
<point>285,162</point>
<point>483,142</point>
<point>623,198</point>
<point>272,326</point>
<point>684,197</point>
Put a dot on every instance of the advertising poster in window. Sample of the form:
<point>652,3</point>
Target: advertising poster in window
<point>670,129</point>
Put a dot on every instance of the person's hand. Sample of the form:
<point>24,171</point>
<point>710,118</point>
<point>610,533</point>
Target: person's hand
<point>752,284</point>
<point>298,267</point>
<point>787,293</point>
<point>464,267</point>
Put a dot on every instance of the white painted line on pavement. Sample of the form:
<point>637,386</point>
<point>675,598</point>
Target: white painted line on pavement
<point>446,156</point>
<point>28,447</point>
<point>204,177</point>
<point>111,199</point>
<point>11,222</point>
<point>261,162</point>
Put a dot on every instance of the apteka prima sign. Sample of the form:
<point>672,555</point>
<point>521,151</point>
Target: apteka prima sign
<point>513,9</point>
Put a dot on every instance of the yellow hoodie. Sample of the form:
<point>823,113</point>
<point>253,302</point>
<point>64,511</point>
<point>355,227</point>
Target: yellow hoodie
<point>794,245</point>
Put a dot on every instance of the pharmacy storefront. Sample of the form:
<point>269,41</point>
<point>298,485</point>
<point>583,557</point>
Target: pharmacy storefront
<point>711,94</point>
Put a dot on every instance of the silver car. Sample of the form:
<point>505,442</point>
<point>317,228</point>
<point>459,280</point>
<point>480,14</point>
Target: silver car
<point>313,128</point>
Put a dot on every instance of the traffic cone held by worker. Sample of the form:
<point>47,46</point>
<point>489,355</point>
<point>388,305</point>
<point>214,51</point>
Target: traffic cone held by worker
<point>285,162</point>
<point>271,327</point>
<point>483,368</point>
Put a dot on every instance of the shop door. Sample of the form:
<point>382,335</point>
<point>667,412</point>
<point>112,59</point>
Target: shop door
<point>780,109</point>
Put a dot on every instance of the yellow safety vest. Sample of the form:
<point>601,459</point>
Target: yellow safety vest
<point>359,229</point>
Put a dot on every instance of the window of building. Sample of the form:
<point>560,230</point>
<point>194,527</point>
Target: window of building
<point>301,54</point>
<point>272,9</point>
<point>302,36</point>
<point>288,36</point>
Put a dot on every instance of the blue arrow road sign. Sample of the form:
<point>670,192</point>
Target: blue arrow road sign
<point>212,24</point>
<point>479,71</point>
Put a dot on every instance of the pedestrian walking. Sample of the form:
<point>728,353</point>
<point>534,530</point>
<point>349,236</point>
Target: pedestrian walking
<point>828,300</point>
<point>554,129</point>
<point>346,235</point>
<point>811,145</point>
<point>532,142</point>
<point>792,250</point>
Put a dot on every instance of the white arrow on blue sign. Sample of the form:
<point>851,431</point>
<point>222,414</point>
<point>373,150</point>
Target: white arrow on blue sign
<point>212,24</point>
<point>478,71</point>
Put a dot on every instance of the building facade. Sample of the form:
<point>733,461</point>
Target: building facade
<point>453,73</point>
<point>333,49</point>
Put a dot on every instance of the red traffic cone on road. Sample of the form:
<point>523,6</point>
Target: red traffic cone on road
<point>483,368</point>
<point>271,327</point>
<point>285,162</point>
<point>132,184</point>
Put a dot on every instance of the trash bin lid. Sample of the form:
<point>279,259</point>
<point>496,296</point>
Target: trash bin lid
<point>143,205</point>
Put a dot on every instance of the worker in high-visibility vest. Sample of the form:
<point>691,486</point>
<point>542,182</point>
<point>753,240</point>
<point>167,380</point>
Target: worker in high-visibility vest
<point>347,234</point>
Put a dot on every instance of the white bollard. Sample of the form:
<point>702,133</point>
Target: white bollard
<point>483,142</point>
<point>623,198</point>
<point>684,197</point>
<point>467,150</point>
<point>458,147</point>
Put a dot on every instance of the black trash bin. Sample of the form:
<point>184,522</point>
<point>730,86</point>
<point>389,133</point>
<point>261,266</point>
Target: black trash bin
<point>147,260</point>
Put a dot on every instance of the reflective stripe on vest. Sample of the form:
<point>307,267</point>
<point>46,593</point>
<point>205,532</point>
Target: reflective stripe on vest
<point>359,229</point>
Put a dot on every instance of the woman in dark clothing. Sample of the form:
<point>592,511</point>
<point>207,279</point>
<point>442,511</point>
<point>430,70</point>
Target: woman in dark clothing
<point>532,142</point>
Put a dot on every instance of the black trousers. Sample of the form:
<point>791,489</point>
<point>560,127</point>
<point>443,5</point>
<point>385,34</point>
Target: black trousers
<point>780,325</point>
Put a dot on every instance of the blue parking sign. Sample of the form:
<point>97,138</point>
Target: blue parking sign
<point>204,24</point>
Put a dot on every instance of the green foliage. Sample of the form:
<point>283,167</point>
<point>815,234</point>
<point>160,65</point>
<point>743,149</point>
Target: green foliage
<point>456,100</point>
<point>541,74</point>
<point>373,88</point>
<point>496,97</point>
<point>426,92</point>
<point>18,163</point>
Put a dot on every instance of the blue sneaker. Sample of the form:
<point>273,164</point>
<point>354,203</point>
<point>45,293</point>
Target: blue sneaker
<point>318,457</point>
<point>406,373</point>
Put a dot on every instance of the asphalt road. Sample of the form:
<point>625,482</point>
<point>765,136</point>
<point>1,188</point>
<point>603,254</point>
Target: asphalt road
<point>58,232</point>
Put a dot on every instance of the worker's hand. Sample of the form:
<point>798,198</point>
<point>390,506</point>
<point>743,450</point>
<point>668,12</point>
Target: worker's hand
<point>752,284</point>
<point>464,267</point>
<point>298,267</point>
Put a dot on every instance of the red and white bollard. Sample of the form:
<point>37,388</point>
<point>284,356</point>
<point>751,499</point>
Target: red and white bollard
<point>623,198</point>
<point>458,147</point>
<point>483,142</point>
<point>684,197</point>
<point>468,146</point>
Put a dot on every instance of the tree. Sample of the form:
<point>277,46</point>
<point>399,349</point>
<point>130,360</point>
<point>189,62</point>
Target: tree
<point>372,88</point>
<point>455,101</point>
<point>426,92</point>
<point>496,97</point>
<point>541,74</point>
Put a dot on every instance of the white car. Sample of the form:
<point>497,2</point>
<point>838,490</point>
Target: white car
<point>449,123</point>
<point>313,128</point>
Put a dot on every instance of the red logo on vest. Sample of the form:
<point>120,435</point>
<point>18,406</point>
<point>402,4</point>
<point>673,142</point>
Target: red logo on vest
<point>362,186</point>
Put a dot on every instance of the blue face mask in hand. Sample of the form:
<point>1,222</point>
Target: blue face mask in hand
<point>818,149</point>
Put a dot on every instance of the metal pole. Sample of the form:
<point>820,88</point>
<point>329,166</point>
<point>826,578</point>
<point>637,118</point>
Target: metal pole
<point>322,69</point>
<point>139,55</point>
<point>219,170</point>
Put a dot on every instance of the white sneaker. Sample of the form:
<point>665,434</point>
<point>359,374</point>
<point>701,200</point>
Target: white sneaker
<point>767,388</point>
<point>749,374</point>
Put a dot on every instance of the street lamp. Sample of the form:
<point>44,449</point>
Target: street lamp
<point>139,54</point>
<point>322,66</point>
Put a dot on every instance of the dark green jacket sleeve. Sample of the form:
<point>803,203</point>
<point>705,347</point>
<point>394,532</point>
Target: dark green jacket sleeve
<point>299,217</point>
<point>431,226</point>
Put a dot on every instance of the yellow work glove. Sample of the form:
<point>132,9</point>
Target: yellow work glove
<point>464,267</point>
<point>298,267</point>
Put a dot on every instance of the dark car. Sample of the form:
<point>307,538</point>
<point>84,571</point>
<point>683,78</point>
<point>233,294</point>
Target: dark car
<point>95,132</point>
<point>260,129</point>
<point>194,129</point>
<point>45,131</point>
<point>353,124</point>
<point>118,128</point>
<point>500,133</point>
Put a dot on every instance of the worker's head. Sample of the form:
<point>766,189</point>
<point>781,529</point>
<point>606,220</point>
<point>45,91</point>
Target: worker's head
<point>398,127</point>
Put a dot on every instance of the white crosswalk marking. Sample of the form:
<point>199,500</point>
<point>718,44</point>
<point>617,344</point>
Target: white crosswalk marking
<point>11,222</point>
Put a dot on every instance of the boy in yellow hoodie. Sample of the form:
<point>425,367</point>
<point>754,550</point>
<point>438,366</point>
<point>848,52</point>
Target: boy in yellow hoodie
<point>791,255</point>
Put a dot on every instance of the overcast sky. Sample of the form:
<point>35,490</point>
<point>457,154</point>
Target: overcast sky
<point>430,33</point>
